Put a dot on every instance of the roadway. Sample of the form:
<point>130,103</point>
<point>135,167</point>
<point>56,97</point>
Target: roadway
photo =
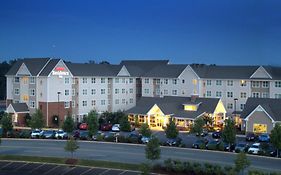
<point>127,153</point>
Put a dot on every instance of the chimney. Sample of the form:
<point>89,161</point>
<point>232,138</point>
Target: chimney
<point>194,97</point>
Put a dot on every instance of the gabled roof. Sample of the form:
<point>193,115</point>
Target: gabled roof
<point>80,69</point>
<point>49,67</point>
<point>270,105</point>
<point>34,65</point>
<point>174,105</point>
<point>18,107</point>
<point>166,71</point>
<point>274,71</point>
<point>137,68</point>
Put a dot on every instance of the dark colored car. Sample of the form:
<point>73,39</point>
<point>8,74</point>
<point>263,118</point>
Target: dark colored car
<point>251,137</point>
<point>106,127</point>
<point>49,134</point>
<point>174,141</point>
<point>213,145</point>
<point>273,153</point>
<point>84,135</point>
<point>199,144</point>
<point>227,148</point>
<point>203,133</point>
<point>134,138</point>
<point>264,138</point>
<point>98,136</point>
<point>216,135</point>
<point>241,147</point>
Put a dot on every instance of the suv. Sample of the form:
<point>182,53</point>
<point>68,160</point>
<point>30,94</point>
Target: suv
<point>60,134</point>
<point>254,149</point>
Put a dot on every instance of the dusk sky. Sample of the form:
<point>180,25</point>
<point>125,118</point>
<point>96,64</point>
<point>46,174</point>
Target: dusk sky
<point>183,31</point>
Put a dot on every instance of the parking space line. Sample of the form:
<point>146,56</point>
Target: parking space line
<point>56,166</point>
<point>86,171</point>
<point>6,165</point>
<point>123,172</point>
<point>40,165</point>
<point>105,171</point>
<point>68,170</point>
<point>24,164</point>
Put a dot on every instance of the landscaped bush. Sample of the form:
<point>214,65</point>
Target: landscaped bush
<point>109,139</point>
<point>122,139</point>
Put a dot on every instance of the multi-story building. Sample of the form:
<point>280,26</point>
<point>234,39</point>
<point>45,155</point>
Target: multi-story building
<point>57,87</point>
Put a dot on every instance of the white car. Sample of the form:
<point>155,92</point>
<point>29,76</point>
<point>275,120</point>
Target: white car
<point>37,133</point>
<point>60,134</point>
<point>254,149</point>
<point>115,128</point>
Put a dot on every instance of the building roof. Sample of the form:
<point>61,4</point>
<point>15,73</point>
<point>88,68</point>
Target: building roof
<point>20,107</point>
<point>174,105</point>
<point>34,65</point>
<point>49,67</point>
<point>137,68</point>
<point>166,71</point>
<point>270,105</point>
<point>80,69</point>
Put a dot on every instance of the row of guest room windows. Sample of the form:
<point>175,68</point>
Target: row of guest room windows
<point>166,81</point>
<point>102,80</point>
<point>166,92</point>
<point>254,84</point>
<point>230,106</point>
<point>103,102</point>
<point>93,91</point>
<point>242,94</point>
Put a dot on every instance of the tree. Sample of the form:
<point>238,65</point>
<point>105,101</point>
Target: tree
<point>125,124</point>
<point>152,149</point>
<point>145,130</point>
<point>104,62</point>
<point>171,130</point>
<point>275,137</point>
<point>68,124</point>
<point>36,121</point>
<point>92,121</point>
<point>71,146</point>
<point>197,126</point>
<point>229,133</point>
<point>6,122</point>
<point>241,162</point>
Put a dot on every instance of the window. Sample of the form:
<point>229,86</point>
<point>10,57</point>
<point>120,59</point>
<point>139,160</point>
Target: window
<point>166,81</point>
<point>256,94</point>
<point>157,81</point>
<point>102,91</point>
<point>243,83</point>
<point>174,92</point>
<point>131,90</point>
<point>209,93</point>
<point>182,81</point>
<point>117,101</point>
<point>25,97</point>
<point>32,92</point>
<point>116,80</point>
<point>93,80</point>
<point>123,101</point>
<point>102,80</point>
<point>102,102</point>
<point>131,100</point>
<point>66,80</point>
<point>230,94</point>
<point>84,103</point>
<point>123,80</point>
<point>175,81</point>
<point>146,91</point>
<point>116,91</point>
<point>93,102</point>
<point>243,95</point>
<point>265,84</point>
<point>146,81</point>
<point>218,82</point>
<point>32,104</point>
<point>194,81</point>
<point>73,104</point>
<point>17,79</point>
<point>242,106</point>
<point>32,80</point>
<point>229,106</point>
<point>157,91</point>
<point>84,80</point>
<point>278,84</point>
<point>131,80</point>
<point>218,94</point>
<point>123,91</point>
<point>66,104</point>
<point>73,92</point>
<point>255,84</point>
<point>66,92</point>
<point>265,95</point>
<point>209,82</point>
<point>93,91</point>
<point>166,92</point>
<point>84,91</point>
<point>277,95</point>
<point>73,80</point>
<point>229,82</point>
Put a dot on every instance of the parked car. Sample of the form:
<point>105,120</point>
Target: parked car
<point>25,134</point>
<point>254,148</point>
<point>134,137</point>
<point>241,147</point>
<point>251,137</point>
<point>36,133</point>
<point>264,138</point>
<point>213,145</point>
<point>84,135</point>
<point>145,139</point>
<point>76,134</point>
<point>60,134</point>
<point>216,135</point>
<point>273,153</point>
<point>106,127</point>
<point>83,126</point>
<point>98,136</point>
<point>203,133</point>
<point>49,134</point>
<point>227,148</point>
<point>115,128</point>
<point>174,141</point>
<point>199,144</point>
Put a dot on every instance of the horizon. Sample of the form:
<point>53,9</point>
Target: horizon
<point>220,32</point>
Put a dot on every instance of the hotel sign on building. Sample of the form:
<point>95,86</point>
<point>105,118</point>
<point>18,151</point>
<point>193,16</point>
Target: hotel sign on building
<point>60,71</point>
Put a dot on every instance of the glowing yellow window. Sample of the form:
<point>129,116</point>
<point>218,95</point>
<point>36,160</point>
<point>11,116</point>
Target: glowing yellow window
<point>259,128</point>
<point>190,107</point>
<point>25,98</point>
<point>194,81</point>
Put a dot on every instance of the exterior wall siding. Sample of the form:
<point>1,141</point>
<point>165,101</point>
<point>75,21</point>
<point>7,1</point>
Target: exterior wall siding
<point>259,117</point>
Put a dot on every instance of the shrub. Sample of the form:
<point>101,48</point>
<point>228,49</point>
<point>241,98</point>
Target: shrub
<point>122,139</point>
<point>168,165</point>
<point>145,168</point>
<point>109,139</point>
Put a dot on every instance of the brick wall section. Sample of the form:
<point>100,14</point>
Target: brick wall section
<point>54,108</point>
<point>21,119</point>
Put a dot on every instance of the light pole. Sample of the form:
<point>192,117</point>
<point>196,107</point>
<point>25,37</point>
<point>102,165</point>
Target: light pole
<point>58,103</point>
<point>235,101</point>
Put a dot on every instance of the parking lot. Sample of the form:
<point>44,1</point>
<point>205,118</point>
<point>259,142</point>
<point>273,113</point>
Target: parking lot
<point>25,168</point>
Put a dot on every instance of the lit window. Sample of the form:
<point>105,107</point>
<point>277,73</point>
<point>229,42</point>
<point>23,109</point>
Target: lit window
<point>194,81</point>
<point>243,83</point>
<point>25,97</point>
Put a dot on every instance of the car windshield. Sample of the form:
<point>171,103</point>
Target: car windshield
<point>241,144</point>
<point>213,142</point>
<point>36,131</point>
<point>48,132</point>
<point>255,146</point>
<point>60,132</point>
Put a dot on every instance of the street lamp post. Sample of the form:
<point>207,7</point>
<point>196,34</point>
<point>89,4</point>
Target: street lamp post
<point>235,101</point>
<point>58,103</point>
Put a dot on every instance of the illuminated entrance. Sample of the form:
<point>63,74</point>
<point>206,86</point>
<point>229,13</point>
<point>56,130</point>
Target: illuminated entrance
<point>259,128</point>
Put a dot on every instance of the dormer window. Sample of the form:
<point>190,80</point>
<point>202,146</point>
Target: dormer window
<point>189,107</point>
